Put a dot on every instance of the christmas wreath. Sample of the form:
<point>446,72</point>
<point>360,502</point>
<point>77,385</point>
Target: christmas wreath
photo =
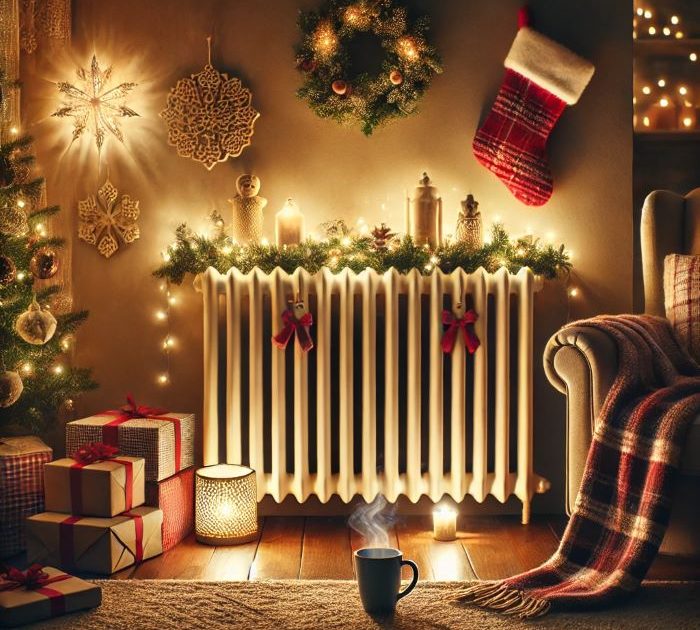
<point>344,81</point>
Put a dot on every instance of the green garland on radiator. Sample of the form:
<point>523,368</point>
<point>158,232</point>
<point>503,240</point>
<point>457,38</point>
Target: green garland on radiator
<point>342,247</point>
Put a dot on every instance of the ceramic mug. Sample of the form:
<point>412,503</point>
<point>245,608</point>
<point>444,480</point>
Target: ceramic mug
<point>378,572</point>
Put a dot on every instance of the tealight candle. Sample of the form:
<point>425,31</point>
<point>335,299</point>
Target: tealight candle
<point>445,523</point>
<point>289,225</point>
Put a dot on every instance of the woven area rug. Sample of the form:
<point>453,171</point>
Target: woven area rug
<point>330,605</point>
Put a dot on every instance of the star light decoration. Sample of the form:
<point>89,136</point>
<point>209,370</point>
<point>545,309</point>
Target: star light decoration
<point>209,116</point>
<point>105,219</point>
<point>94,106</point>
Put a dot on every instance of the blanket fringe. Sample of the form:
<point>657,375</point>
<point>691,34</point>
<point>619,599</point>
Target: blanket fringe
<point>502,598</point>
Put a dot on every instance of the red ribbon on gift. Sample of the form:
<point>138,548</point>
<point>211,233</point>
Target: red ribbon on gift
<point>66,542</point>
<point>36,579</point>
<point>138,530</point>
<point>455,324</point>
<point>132,411</point>
<point>292,325</point>
<point>91,453</point>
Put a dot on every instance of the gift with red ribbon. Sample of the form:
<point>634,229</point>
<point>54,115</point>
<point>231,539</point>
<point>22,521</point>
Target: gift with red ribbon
<point>293,325</point>
<point>95,545</point>
<point>455,324</point>
<point>22,462</point>
<point>175,496</point>
<point>95,482</point>
<point>164,439</point>
<point>42,593</point>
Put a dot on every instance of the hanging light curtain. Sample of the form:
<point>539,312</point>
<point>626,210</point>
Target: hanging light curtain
<point>44,22</point>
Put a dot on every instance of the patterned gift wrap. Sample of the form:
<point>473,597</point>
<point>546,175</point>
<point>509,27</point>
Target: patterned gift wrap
<point>22,462</point>
<point>175,497</point>
<point>154,438</point>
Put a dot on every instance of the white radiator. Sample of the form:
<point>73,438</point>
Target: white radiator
<point>258,401</point>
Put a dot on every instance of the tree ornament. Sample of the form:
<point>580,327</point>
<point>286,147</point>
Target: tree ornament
<point>382,235</point>
<point>8,271</point>
<point>95,107</point>
<point>209,116</point>
<point>36,325</point>
<point>469,230</point>
<point>13,222</point>
<point>11,387</point>
<point>396,77</point>
<point>390,91</point>
<point>248,209</point>
<point>44,263</point>
<point>542,78</point>
<point>105,219</point>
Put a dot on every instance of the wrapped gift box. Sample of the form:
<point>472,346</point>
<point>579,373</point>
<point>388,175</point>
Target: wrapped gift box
<point>22,462</point>
<point>166,442</point>
<point>104,488</point>
<point>60,594</point>
<point>175,497</point>
<point>95,545</point>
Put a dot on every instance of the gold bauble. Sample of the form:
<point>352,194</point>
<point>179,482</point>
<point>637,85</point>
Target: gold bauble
<point>35,326</point>
<point>44,263</point>
<point>11,387</point>
<point>396,77</point>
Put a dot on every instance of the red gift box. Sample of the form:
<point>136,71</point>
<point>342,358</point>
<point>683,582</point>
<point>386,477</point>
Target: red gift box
<point>22,462</point>
<point>175,497</point>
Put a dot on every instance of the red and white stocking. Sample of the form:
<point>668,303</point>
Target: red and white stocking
<point>542,78</point>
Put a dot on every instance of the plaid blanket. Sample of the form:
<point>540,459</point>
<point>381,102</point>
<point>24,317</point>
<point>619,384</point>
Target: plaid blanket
<point>624,502</point>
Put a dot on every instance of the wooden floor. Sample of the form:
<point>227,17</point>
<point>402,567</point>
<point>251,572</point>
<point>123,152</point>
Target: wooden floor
<point>316,548</point>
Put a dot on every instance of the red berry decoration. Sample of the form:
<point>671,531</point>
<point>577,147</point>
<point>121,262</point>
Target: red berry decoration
<point>44,263</point>
<point>308,65</point>
<point>340,87</point>
<point>396,77</point>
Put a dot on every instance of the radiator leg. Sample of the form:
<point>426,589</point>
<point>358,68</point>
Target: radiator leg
<point>526,512</point>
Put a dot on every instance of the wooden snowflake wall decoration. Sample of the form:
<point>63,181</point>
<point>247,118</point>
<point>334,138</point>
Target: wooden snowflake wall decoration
<point>209,116</point>
<point>94,106</point>
<point>105,220</point>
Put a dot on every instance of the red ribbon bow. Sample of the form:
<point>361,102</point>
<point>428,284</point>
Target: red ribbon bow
<point>94,451</point>
<point>133,410</point>
<point>292,325</point>
<point>32,579</point>
<point>466,324</point>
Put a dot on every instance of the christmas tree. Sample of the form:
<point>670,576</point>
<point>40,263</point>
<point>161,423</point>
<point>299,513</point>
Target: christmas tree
<point>37,383</point>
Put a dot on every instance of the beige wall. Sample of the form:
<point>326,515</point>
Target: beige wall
<point>331,171</point>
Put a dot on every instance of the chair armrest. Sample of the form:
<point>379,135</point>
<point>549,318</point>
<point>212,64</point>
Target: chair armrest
<point>581,363</point>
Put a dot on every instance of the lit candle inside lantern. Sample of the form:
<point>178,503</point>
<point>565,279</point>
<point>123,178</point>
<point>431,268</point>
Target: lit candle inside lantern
<point>289,225</point>
<point>444,523</point>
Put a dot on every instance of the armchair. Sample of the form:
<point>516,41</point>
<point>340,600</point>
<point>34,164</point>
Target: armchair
<point>582,363</point>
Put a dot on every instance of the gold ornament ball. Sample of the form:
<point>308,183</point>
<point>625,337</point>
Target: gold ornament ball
<point>44,263</point>
<point>396,77</point>
<point>35,326</point>
<point>340,87</point>
<point>11,387</point>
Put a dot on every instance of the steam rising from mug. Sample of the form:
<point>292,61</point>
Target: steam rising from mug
<point>373,521</point>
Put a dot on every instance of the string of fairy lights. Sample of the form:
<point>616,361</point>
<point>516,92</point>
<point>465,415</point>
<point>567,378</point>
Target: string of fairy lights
<point>213,247</point>
<point>664,100</point>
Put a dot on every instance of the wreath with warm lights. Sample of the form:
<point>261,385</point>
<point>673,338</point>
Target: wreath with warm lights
<point>336,86</point>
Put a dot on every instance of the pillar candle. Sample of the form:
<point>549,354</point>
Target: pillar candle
<point>289,225</point>
<point>444,524</point>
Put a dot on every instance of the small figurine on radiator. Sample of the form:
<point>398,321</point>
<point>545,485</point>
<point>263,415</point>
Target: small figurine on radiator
<point>424,214</point>
<point>469,229</point>
<point>248,209</point>
<point>296,319</point>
